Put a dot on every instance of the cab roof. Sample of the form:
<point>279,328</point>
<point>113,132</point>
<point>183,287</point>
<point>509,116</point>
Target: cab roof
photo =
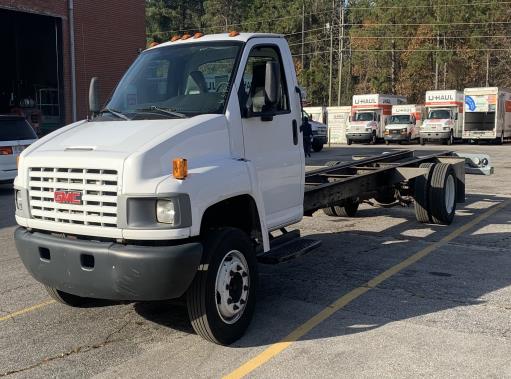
<point>242,37</point>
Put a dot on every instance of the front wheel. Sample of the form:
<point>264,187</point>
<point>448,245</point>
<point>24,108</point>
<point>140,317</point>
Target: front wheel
<point>221,299</point>
<point>348,141</point>
<point>373,139</point>
<point>422,141</point>
<point>450,140</point>
<point>66,298</point>
<point>317,147</point>
<point>387,142</point>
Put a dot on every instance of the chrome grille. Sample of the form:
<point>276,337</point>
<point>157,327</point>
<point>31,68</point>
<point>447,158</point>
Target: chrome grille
<point>99,195</point>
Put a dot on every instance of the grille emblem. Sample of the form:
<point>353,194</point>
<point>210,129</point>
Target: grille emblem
<point>68,197</point>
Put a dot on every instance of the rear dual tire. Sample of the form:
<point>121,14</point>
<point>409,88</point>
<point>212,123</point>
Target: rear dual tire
<point>435,194</point>
<point>349,209</point>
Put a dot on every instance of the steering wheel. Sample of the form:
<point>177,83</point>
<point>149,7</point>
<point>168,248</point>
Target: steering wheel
<point>222,87</point>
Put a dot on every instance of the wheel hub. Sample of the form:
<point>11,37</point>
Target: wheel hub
<point>232,287</point>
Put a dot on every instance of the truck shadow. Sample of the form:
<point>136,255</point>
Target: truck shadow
<point>453,276</point>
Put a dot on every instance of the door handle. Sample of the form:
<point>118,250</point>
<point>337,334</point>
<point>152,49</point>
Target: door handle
<point>295,132</point>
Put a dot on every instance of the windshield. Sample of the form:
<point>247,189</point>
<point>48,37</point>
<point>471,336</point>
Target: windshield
<point>439,114</point>
<point>14,129</point>
<point>176,81</point>
<point>364,116</point>
<point>399,119</point>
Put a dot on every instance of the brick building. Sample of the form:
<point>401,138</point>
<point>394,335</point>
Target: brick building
<point>52,48</point>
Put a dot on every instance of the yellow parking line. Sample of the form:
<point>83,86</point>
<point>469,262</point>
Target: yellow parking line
<point>306,327</point>
<point>26,310</point>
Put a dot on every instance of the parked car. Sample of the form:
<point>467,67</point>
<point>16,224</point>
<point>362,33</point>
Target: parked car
<point>319,133</point>
<point>15,135</point>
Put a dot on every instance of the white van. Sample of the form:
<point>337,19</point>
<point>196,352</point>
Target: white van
<point>404,123</point>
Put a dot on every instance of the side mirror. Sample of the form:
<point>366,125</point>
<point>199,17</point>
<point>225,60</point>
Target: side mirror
<point>272,82</point>
<point>94,102</point>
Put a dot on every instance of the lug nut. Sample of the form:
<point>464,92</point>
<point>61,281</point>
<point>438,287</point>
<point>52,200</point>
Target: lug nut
<point>235,307</point>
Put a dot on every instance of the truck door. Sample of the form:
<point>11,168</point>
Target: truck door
<point>271,134</point>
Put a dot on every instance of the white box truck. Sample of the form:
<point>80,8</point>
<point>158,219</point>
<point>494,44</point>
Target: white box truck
<point>404,123</point>
<point>175,188</point>
<point>337,120</point>
<point>444,122</point>
<point>369,114</point>
<point>316,116</point>
<point>487,114</point>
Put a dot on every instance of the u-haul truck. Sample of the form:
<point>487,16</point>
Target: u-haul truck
<point>369,114</point>
<point>444,122</point>
<point>487,114</point>
<point>404,123</point>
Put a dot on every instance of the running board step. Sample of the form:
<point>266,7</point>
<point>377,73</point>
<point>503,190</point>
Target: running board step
<point>289,250</point>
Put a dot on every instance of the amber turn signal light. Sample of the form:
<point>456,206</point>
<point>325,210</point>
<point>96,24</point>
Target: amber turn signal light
<point>180,168</point>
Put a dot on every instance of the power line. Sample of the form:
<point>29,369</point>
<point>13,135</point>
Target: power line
<point>430,24</point>
<point>406,50</point>
<point>428,6</point>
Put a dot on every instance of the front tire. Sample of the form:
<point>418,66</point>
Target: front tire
<point>422,141</point>
<point>221,299</point>
<point>373,139</point>
<point>348,141</point>
<point>66,298</point>
<point>317,147</point>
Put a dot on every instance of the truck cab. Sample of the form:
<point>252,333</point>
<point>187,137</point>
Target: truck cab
<point>400,128</point>
<point>175,184</point>
<point>319,132</point>
<point>444,122</point>
<point>363,126</point>
<point>404,123</point>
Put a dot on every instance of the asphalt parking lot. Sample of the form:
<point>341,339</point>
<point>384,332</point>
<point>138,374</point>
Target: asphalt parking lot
<point>384,296</point>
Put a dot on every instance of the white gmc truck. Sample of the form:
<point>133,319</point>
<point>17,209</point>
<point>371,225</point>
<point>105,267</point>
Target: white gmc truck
<point>180,186</point>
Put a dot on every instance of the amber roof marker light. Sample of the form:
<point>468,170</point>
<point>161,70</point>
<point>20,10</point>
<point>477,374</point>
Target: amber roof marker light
<point>185,36</point>
<point>180,168</point>
<point>234,33</point>
<point>198,35</point>
<point>175,38</point>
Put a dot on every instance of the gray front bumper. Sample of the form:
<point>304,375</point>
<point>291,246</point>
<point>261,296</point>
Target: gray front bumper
<point>435,135</point>
<point>396,137</point>
<point>359,136</point>
<point>118,272</point>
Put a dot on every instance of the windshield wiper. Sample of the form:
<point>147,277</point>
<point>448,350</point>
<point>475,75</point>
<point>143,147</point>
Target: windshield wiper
<point>116,113</point>
<point>169,112</point>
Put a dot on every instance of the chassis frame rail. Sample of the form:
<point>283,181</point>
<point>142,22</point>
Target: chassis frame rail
<point>365,178</point>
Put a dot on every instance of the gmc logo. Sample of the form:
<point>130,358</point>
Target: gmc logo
<point>67,197</point>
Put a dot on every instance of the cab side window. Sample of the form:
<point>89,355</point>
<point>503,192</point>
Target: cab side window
<point>252,95</point>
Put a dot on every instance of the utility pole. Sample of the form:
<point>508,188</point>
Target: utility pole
<point>341,52</point>
<point>331,27</point>
<point>437,48</point>
<point>303,30</point>
<point>487,69</point>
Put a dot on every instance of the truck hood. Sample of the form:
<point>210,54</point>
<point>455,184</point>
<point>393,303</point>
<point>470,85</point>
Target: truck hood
<point>439,122</point>
<point>359,125</point>
<point>397,126</point>
<point>144,148</point>
<point>117,136</point>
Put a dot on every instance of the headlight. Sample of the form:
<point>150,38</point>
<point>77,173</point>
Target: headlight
<point>404,131</point>
<point>446,128</point>
<point>369,129</point>
<point>19,200</point>
<point>165,212</point>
